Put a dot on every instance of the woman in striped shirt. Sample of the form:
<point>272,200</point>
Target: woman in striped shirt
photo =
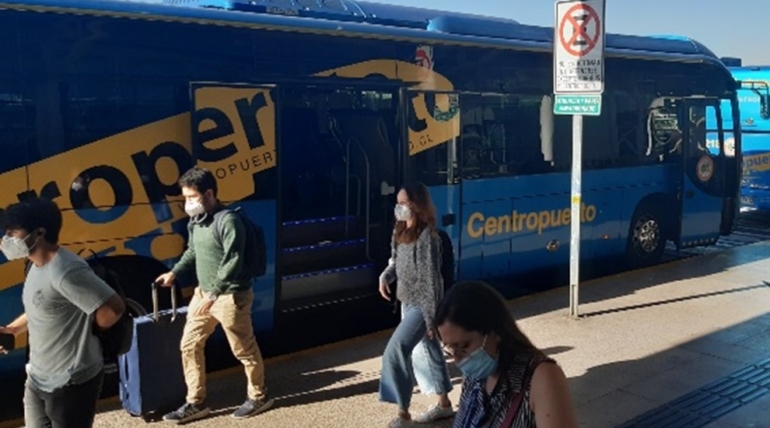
<point>509,383</point>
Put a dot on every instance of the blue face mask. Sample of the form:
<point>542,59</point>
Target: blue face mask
<point>478,365</point>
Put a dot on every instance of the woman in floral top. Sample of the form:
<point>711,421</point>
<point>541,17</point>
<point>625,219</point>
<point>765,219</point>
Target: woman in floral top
<point>509,383</point>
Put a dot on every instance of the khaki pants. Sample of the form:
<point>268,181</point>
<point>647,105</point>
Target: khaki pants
<point>233,311</point>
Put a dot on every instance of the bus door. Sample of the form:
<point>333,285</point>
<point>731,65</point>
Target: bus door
<point>233,135</point>
<point>338,176</point>
<point>705,171</point>
<point>431,150</point>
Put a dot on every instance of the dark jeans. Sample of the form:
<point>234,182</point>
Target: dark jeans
<point>72,406</point>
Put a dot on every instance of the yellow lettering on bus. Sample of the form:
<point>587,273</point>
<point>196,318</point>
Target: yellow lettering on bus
<point>480,225</point>
<point>473,231</point>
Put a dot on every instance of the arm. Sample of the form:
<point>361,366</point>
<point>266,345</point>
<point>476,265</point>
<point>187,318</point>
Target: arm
<point>389,274</point>
<point>81,286</point>
<point>550,398</point>
<point>17,327</point>
<point>428,256</point>
<point>109,313</point>
<point>188,258</point>
<point>233,245</point>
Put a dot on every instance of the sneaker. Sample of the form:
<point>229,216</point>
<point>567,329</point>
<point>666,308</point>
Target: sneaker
<point>187,413</point>
<point>252,407</point>
<point>434,413</point>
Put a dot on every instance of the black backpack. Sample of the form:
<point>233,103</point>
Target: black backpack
<point>117,339</point>
<point>255,251</point>
<point>447,259</point>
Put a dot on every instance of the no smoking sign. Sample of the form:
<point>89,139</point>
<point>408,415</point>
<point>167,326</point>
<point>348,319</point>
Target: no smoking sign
<point>579,47</point>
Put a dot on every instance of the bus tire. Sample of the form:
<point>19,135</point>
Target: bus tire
<point>646,238</point>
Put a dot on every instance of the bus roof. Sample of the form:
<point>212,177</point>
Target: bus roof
<point>751,72</point>
<point>347,17</point>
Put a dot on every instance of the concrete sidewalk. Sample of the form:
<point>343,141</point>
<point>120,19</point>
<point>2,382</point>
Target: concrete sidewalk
<point>645,338</point>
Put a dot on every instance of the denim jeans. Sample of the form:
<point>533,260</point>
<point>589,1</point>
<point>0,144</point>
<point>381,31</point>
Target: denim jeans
<point>73,406</point>
<point>411,356</point>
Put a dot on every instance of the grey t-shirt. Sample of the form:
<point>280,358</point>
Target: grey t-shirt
<point>60,299</point>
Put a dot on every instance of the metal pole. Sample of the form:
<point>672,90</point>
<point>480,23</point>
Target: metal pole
<point>575,214</point>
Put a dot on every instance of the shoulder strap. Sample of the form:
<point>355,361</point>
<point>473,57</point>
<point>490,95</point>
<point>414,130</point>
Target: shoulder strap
<point>218,216</point>
<point>515,406</point>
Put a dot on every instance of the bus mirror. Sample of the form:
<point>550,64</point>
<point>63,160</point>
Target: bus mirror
<point>764,103</point>
<point>546,128</point>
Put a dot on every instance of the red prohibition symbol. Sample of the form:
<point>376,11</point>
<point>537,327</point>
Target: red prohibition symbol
<point>580,18</point>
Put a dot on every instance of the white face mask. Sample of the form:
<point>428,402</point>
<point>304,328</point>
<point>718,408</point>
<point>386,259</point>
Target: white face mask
<point>14,248</point>
<point>402,212</point>
<point>194,208</point>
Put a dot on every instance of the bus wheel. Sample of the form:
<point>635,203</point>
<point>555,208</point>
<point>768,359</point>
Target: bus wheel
<point>646,241</point>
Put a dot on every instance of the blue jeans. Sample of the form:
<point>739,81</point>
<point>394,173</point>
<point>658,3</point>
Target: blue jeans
<point>411,356</point>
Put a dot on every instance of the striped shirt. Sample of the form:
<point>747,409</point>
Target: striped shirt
<point>479,409</point>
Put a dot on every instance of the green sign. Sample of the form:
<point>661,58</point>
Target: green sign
<point>587,105</point>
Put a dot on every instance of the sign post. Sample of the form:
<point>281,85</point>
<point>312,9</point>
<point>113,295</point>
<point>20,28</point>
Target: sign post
<point>578,84</point>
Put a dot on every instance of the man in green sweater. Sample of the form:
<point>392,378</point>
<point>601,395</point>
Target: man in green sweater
<point>223,296</point>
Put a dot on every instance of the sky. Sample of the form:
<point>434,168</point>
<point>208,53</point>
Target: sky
<point>735,29</point>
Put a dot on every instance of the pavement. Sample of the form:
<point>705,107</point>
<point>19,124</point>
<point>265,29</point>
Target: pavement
<point>696,330</point>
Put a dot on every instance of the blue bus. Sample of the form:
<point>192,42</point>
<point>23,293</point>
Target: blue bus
<point>754,99</point>
<point>312,113</point>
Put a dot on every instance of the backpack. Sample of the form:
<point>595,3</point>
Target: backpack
<point>447,259</point>
<point>255,250</point>
<point>117,339</point>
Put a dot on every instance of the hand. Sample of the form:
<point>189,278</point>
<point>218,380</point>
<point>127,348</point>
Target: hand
<point>203,307</point>
<point>6,330</point>
<point>385,290</point>
<point>166,280</point>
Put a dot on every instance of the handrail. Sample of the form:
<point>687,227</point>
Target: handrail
<point>337,135</point>
<point>367,187</point>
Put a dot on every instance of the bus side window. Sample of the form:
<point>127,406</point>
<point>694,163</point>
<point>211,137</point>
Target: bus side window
<point>502,135</point>
<point>630,120</point>
<point>437,163</point>
<point>14,128</point>
<point>664,133</point>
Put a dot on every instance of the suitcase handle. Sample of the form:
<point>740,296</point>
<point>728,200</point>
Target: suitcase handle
<point>155,315</point>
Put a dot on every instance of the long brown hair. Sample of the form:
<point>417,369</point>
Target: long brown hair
<point>476,306</point>
<point>423,211</point>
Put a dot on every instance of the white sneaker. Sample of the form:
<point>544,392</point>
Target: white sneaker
<point>434,413</point>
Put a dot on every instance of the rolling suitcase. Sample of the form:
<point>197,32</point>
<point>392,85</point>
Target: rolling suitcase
<point>151,377</point>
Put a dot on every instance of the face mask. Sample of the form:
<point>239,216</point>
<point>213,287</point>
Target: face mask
<point>194,208</point>
<point>14,248</point>
<point>478,365</point>
<point>402,212</point>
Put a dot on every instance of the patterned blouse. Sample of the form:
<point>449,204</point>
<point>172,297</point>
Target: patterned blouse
<point>479,409</point>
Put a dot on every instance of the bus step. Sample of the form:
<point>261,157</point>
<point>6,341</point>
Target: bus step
<point>326,255</point>
<point>324,282</point>
<point>314,231</point>
<point>329,300</point>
